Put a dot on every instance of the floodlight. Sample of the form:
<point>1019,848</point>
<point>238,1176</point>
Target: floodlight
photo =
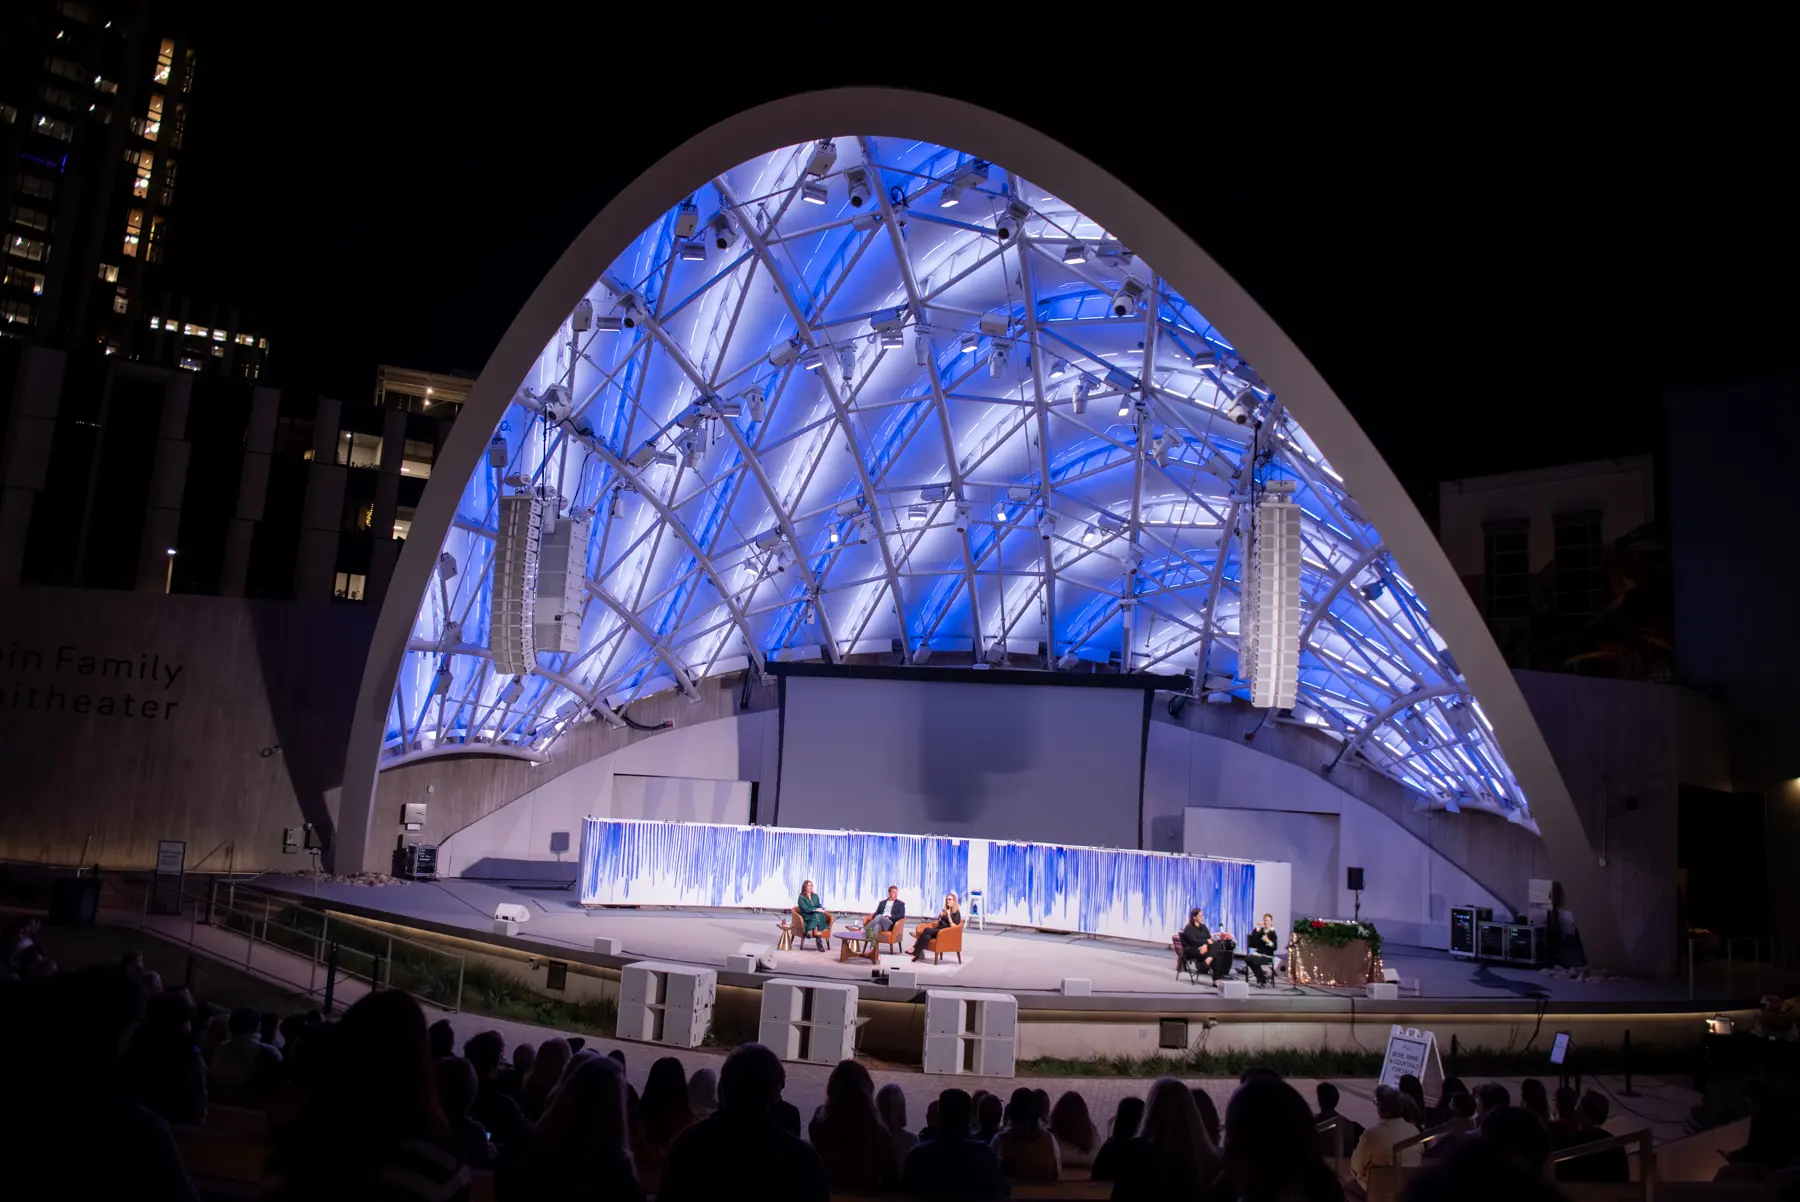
<point>784,353</point>
<point>858,179</point>
<point>824,158</point>
<point>1018,493</point>
<point>691,251</point>
<point>725,231</point>
<point>999,511</point>
<point>849,508</point>
<point>971,174</point>
<point>917,513</point>
<point>608,325</point>
<point>1069,661</point>
<point>1074,253</point>
<point>1373,592</point>
<point>813,194</point>
<point>995,655</point>
<point>834,536</point>
<point>889,319</point>
<point>864,222</point>
<point>687,219</point>
<point>1013,219</point>
<point>515,689</point>
<point>1059,369</point>
<point>969,343</point>
<point>1089,535</point>
<point>893,338</point>
<point>811,361</point>
<point>440,684</point>
<point>1128,298</point>
<point>995,324</point>
<point>846,357</point>
<point>933,493</point>
<point>950,197</point>
<point>1125,406</point>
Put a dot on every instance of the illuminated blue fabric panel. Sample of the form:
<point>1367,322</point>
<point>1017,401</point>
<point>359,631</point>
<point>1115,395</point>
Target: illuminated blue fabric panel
<point>1136,894</point>
<point>693,864</point>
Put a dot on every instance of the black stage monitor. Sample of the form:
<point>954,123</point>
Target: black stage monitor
<point>1353,879</point>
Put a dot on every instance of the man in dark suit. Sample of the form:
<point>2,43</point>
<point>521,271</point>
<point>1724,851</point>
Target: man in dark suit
<point>889,914</point>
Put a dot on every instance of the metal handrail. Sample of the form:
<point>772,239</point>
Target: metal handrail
<point>1337,1123</point>
<point>1645,1142</point>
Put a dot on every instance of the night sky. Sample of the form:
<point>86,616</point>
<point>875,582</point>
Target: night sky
<point>1494,273</point>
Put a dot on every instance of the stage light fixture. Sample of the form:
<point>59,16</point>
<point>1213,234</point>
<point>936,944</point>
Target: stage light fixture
<point>691,252</point>
<point>1125,405</point>
<point>1074,253</point>
<point>1374,591</point>
<point>496,450</point>
<point>725,231</point>
<point>608,325</point>
<point>995,324</point>
<point>864,222</point>
<point>440,682</point>
<point>999,359</point>
<point>865,526</point>
<point>446,567</point>
<point>858,179</point>
<point>1128,298</point>
<point>813,194</point>
<point>811,361</point>
<point>1000,511</point>
<point>890,339</point>
<point>618,503</point>
<point>1059,369</point>
<point>513,690</point>
<point>950,197</point>
<point>581,320</point>
<point>824,157</point>
<point>970,342</point>
<point>1013,219</point>
<point>1069,661</point>
<point>687,219</point>
<point>1084,387</point>
<point>1018,494</point>
<point>846,357</point>
<point>917,513</point>
<point>784,353</point>
<point>962,516</point>
<point>834,536</point>
<point>922,348</point>
<point>1159,451</point>
<point>1046,524</point>
<point>933,493</point>
<point>1089,535</point>
<point>971,174</point>
<point>753,402</point>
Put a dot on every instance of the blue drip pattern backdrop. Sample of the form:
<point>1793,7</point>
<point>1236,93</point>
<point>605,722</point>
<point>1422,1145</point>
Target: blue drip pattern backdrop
<point>691,864</point>
<point>1112,892</point>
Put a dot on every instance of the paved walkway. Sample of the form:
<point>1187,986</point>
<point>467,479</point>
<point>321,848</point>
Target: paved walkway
<point>1663,1105</point>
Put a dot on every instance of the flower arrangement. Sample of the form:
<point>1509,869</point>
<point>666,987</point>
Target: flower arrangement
<point>1337,934</point>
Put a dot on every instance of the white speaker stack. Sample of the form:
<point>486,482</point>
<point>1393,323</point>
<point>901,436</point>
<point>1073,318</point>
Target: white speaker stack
<point>562,585</point>
<point>969,1032</point>
<point>666,1003</point>
<point>508,916</point>
<point>516,550</point>
<point>1269,622</point>
<point>808,1020</point>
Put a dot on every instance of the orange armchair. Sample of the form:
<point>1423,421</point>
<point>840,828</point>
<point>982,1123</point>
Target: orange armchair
<point>799,921</point>
<point>888,940</point>
<point>947,940</point>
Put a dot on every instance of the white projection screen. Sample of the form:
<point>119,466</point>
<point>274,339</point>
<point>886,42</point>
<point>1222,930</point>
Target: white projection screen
<point>1029,762</point>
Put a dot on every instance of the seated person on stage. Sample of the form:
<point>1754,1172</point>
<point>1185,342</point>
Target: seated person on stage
<point>813,917</point>
<point>1262,942</point>
<point>1195,940</point>
<point>889,914</point>
<point>949,916</point>
<point>1219,955</point>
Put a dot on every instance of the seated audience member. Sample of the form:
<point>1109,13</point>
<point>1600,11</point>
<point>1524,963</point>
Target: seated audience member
<point>1043,1106</point>
<point>1269,1155</point>
<point>372,1126</point>
<point>1376,1147</point>
<point>1774,1136</point>
<point>990,1113</point>
<point>1515,1133</point>
<point>152,983</point>
<point>1413,1090</point>
<point>1173,1156</point>
<point>929,1130</point>
<point>849,1136</point>
<point>889,913</point>
<point>512,1077</point>
<point>951,1164</point>
<point>814,920</point>
<point>703,1092</point>
<point>1262,944</point>
<point>456,1090</point>
<point>1209,1113</point>
<point>1124,1129</point>
<point>71,1127</point>
<point>1490,1097</point>
<point>1340,1140</point>
<point>949,916</point>
<point>1563,1125</point>
<point>1479,1171</point>
<point>547,1069</point>
<point>1077,1139</point>
<point>493,1109</point>
<point>1025,1148</point>
<point>243,1067</point>
<point>662,1114</point>
<point>890,1104</point>
<point>1533,1097</point>
<point>442,1037</point>
<point>1441,1112</point>
<point>1462,1127</point>
<point>740,1151</point>
<point>162,1065</point>
<point>271,1026</point>
<point>579,1150</point>
<point>1612,1165</point>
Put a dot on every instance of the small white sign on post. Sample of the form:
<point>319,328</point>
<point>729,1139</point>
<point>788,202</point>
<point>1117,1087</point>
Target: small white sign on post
<point>1411,1050</point>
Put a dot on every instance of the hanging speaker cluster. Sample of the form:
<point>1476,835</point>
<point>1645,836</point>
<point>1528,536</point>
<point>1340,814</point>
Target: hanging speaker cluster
<point>562,585</point>
<point>517,549</point>
<point>1271,644</point>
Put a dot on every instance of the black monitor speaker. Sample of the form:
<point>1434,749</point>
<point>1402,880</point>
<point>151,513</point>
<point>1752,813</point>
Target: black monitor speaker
<point>1353,879</point>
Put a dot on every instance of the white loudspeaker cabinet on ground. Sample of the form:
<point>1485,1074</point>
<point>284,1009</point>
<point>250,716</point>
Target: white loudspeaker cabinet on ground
<point>516,547</point>
<point>512,912</point>
<point>808,1020</point>
<point>606,945</point>
<point>666,1003</point>
<point>505,926</point>
<point>561,586</point>
<point>1384,991</point>
<point>1231,988</point>
<point>969,1032</point>
<point>1077,987</point>
<point>740,963</point>
<point>901,978</point>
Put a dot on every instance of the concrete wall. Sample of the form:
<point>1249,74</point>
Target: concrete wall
<point>130,718</point>
<point>1622,491</point>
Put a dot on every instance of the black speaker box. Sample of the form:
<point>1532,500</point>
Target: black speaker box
<point>74,901</point>
<point>1353,879</point>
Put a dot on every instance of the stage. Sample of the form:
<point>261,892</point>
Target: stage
<point>1134,985</point>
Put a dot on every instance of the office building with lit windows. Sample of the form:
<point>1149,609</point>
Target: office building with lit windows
<point>121,474</point>
<point>94,104</point>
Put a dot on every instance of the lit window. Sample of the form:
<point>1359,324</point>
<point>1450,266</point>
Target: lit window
<point>21,278</point>
<point>60,130</point>
<point>12,312</point>
<point>262,344</point>
<point>109,272</point>
<point>29,249</point>
<point>143,162</point>
<point>219,335</point>
<point>120,304</point>
<point>218,352</point>
<point>165,60</point>
<point>106,86</point>
<point>416,458</point>
<point>37,185</point>
<point>31,219</point>
<point>148,126</point>
<point>359,450</point>
<point>193,331</point>
<point>189,363</point>
<point>403,520</point>
<point>245,340</point>
<point>134,226</point>
<point>349,586</point>
<point>156,323</point>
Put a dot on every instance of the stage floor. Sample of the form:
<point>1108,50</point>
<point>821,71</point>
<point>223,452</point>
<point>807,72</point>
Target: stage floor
<point>1016,961</point>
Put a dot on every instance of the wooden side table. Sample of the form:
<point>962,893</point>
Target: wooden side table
<point>855,944</point>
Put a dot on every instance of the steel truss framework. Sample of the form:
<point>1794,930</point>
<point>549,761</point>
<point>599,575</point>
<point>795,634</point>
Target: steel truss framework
<point>954,417</point>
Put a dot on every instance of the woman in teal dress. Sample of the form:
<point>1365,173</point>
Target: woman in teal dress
<point>813,916</point>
